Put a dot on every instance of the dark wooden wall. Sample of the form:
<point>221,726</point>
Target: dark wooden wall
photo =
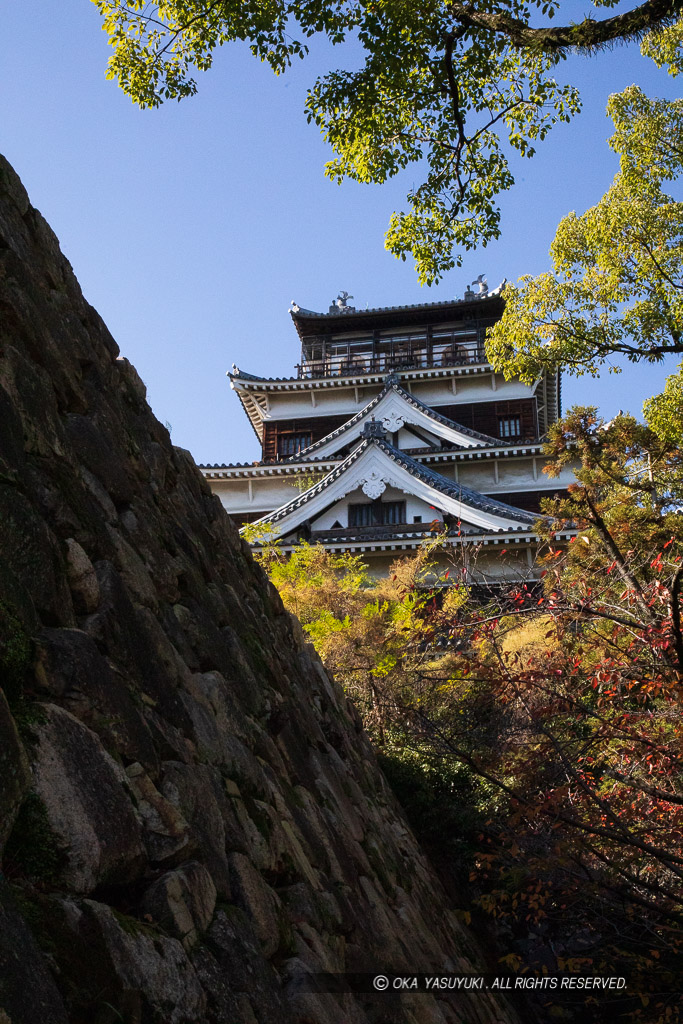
<point>317,426</point>
<point>483,416</point>
<point>242,518</point>
<point>528,500</point>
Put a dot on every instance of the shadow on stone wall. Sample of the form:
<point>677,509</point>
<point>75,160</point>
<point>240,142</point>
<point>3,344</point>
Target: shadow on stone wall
<point>192,817</point>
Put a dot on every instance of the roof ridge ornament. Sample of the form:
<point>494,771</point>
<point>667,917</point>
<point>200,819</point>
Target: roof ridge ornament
<point>341,304</point>
<point>482,289</point>
<point>374,429</point>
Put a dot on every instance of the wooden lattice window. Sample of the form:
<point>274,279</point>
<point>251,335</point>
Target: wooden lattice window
<point>509,426</point>
<point>377,513</point>
<point>292,444</point>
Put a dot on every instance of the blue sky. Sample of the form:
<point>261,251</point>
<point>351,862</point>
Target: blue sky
<point>192,227</point>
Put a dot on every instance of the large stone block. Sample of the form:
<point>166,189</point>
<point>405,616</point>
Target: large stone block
<point>14,771</point>
<point>259,901</point>
<point>83,584</point>
<point>182,902</point>
<point>70,667</point>
<point>130,968</point>
<point>84,793</point>
<point>167,836</point>
<point>33,556</point>
<point>28,994</point>
<point>198,793</point>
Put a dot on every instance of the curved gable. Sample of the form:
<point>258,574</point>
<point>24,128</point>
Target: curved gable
<point>375,465</point>
<point>395,408</point>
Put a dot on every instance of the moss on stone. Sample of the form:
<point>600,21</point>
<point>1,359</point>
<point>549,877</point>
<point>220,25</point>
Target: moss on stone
<point>254,647</point>
<point>133,926</point>
<point>33,851</point>
<point>380,865</point>
<point>16,654</point>
<point>28,713</point>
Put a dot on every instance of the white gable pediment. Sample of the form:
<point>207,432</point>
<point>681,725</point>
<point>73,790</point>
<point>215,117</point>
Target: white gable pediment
<point>373,467</point>
<point>394,409</point>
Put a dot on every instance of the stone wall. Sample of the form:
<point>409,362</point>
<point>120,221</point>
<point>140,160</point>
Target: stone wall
<point>191,817</point>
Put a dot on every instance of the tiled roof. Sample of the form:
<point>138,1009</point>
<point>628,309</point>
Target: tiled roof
<point>341,380</point>
<point>284,464</point>
<point>243,375</point>
<point>454,490</point>
<point>349,311</point>
<point>392,384</point>
<point>305,496</point>
<point>502,448</point>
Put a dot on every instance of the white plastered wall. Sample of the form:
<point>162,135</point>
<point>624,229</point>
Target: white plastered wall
<point>468,388</point>
<point>480,476</point>
<point>407,439</point>
<point>265,494</point>
<point>339,512</point>
<point>435,391</point>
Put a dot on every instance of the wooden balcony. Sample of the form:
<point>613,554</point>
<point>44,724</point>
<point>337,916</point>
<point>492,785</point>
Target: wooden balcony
<point>384,363</point>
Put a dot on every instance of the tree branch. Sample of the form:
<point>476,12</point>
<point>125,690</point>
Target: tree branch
<point>587,35</point>
<point>611,546</point>
<point>676,614</point>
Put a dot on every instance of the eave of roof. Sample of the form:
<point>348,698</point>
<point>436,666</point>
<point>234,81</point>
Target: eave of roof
<point>412,541</point>
<point>519,538</point>
<point>282,468</point>
<point>252,409</point>
<point>240,380</point>
<point>288,467</point>
<point>308,322</point>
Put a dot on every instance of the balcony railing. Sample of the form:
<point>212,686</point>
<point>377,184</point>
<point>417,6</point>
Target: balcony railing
<point>357,365</point>
<point>386,530</point>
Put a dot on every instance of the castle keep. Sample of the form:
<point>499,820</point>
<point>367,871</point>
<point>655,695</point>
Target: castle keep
<point>393,427</point>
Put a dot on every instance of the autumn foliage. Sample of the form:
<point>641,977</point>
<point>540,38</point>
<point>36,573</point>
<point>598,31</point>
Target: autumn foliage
<point>535,737</point>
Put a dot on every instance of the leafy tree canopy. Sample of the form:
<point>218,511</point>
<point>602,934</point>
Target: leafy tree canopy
<point>536,736</point>
<point>664,412</point>
<point>444,84</point>
<point>616,286</point>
